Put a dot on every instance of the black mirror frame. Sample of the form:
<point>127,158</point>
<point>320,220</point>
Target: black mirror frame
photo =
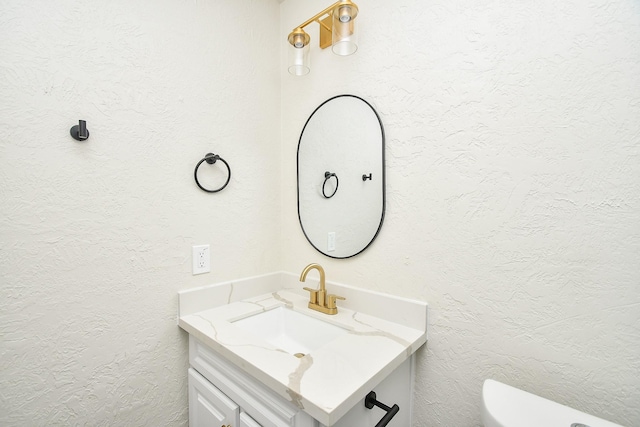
<point>384,202</point>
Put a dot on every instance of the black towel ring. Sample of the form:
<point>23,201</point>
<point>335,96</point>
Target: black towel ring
<point>211,159</point>
<point>327,176</point>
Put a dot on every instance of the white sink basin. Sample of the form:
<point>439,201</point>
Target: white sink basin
<point>290,330</point>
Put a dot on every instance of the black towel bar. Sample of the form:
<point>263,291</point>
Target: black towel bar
<point>370,401</point>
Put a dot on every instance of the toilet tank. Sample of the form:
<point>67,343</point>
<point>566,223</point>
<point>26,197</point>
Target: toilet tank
<point>506,406</point>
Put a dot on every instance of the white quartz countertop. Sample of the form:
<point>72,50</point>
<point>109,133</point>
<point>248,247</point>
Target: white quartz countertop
<point>326,382</point>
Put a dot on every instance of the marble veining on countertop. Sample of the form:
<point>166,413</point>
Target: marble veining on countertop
<point>326,382</point>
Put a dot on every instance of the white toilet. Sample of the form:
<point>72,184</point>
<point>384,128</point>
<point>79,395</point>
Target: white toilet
<point>506,406</point>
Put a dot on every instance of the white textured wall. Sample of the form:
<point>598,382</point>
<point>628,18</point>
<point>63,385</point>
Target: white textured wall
<point>95,237</point>
<point>513,191</point>
<point>513,179</point>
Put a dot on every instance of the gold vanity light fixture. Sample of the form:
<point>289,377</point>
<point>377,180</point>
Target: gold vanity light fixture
<point>337,29</point>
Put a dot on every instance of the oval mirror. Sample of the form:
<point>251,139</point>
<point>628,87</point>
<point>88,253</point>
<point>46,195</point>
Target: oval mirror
<point>341,183</point>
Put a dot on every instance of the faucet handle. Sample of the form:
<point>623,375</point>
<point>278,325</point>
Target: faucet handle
<point>331,300</point>
<point>313,297</point>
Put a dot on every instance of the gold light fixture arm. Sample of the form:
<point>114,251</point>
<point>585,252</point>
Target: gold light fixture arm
<point>317,16</point>
<point>326,24</point>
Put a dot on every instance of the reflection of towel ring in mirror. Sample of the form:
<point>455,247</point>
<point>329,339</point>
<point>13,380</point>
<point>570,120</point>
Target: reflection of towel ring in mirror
<point>211,159</point>
<point>327,176</point>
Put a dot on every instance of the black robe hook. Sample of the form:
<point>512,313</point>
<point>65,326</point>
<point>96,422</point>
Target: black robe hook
<point>80,132</point>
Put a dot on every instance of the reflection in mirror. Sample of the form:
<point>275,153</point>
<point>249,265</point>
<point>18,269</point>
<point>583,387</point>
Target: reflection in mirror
<point>341,193</point>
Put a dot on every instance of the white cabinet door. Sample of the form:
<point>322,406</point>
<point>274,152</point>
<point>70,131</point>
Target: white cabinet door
<point>247,421</point>
<point>208,406</point>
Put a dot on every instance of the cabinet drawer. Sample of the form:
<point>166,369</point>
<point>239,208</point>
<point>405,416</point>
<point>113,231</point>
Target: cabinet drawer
<point>262,404</point>
<point>208,406</point>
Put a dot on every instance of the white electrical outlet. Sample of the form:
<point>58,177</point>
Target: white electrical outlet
<point>331,241</point>
<point>201,259</point>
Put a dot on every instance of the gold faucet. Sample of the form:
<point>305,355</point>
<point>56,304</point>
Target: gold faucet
<point>318,298</point>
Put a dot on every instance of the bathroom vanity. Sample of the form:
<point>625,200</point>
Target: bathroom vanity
<point>315,372</point>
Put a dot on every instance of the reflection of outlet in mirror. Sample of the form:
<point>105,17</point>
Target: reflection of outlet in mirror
<point>331,241</point>
<point>201,259</point>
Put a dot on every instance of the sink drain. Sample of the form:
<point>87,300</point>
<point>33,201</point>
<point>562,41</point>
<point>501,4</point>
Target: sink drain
<point>579,425</point>
<point>301,355</point>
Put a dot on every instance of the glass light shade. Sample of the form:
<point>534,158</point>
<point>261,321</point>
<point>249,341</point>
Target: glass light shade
<point>299,60</point>
<point>344,38</point>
